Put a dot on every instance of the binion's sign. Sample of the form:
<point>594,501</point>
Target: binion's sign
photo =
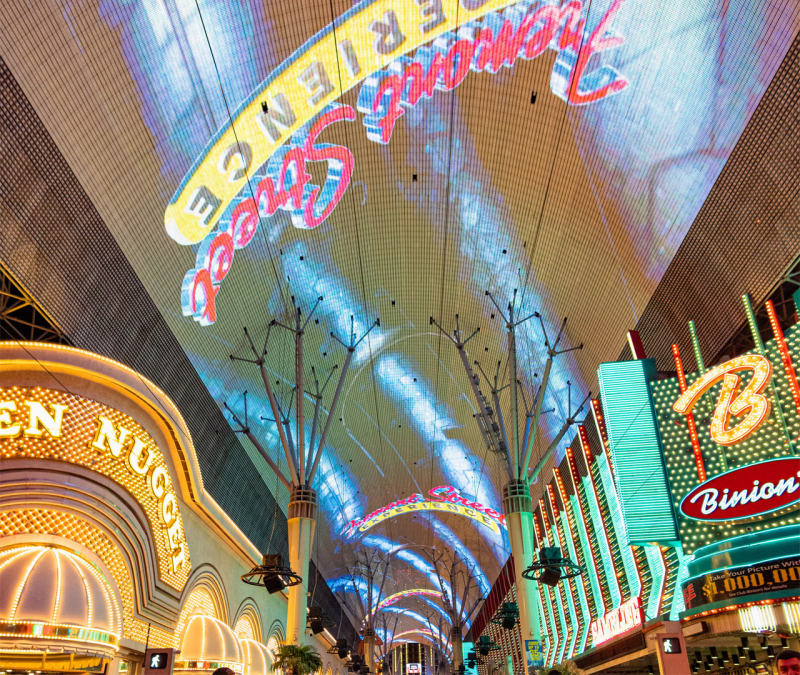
<point>620,620</point>
<point>750,401</point>
<point>259,164</point>
<point>747,492</point>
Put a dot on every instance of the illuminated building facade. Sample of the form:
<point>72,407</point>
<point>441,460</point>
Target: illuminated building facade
<point>680,497</point>
<point>177,170</point>
<point>416,658</point>
<point>110,543</point>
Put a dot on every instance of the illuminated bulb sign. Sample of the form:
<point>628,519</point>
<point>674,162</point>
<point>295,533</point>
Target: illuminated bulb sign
<point>273,135</point>
<point>732,402</point>
<point>746,492</point>
<point>50,424</point>
<point>443,498</point>
<point>617,621</point>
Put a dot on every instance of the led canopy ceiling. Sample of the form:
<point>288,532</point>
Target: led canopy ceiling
<point>399,159</point>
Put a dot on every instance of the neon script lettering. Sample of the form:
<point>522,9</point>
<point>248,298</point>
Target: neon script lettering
<point>525,31</point>
<point>448,493</point>
<point>287,186</point>
<point>731,402</point>
<point>617,621</point>
<point>712,501</point>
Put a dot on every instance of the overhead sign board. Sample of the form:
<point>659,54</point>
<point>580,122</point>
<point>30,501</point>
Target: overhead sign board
<point>444,498</point>
<point>617,621</point>
<point>735,585</point>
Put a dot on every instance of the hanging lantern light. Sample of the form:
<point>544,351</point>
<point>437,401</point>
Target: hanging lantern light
<point>271,574</point>
<point>552,567</point>
<point>507,616</point>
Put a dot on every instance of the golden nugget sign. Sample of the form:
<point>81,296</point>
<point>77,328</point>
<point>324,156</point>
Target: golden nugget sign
<point>49,424</point>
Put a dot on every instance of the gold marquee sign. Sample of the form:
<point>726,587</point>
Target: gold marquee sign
<point>41,423</point>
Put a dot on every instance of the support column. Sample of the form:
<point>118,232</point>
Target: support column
<point>369,649</point>
<point>455,643</point>
<point>302,520</point>
<point>519,521</point>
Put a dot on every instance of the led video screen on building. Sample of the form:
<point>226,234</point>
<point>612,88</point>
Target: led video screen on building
<point>399,159</point>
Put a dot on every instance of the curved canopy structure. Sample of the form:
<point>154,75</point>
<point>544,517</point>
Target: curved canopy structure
<point>220,165</point>
<point>256,658</point>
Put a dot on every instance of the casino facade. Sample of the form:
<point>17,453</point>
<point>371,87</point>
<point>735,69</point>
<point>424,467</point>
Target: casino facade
<point>110,543</point>
<point>399,337</point>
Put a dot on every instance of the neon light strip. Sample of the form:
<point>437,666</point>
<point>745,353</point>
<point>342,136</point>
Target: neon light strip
<point>698,455</point>
<point>552,596</point>
<point>560,594</point>
<point>678,604</point>
<point>786,357</point>
<point>672,562</point>
<point>578,586</point>
<point>602,583</point>
<point>730,549</point>
<point>565,535</point>
<point>568,526</point>
<point>570,583</point>
<point>751,320</point>
<point>656,563</point>
<point>543,625</point>
<point>543,595</point>
<point>424,631</point>
<point>599,603</point>
<point>638,567</point>
<point>618,523</point>
<point>597,517</point>
<point>606,470</point>
<point>597,409</point>
<point>701,367</point>
<point>50,631</point>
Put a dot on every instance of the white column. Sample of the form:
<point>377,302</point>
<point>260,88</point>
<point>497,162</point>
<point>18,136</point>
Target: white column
<point>302,512</point>
<point>369,650</point>
<point>519,521</point>
<point>455,643</point>
<point>113,667</point>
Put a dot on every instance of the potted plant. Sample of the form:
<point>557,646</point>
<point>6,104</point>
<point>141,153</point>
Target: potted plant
<point>566,668</point>
<point>295,660</point>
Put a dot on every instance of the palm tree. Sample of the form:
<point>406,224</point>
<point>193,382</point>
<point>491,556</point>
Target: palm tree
<point>294,660</point>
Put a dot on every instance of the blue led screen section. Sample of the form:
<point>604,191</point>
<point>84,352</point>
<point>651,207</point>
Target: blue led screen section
<point>636,451</point>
